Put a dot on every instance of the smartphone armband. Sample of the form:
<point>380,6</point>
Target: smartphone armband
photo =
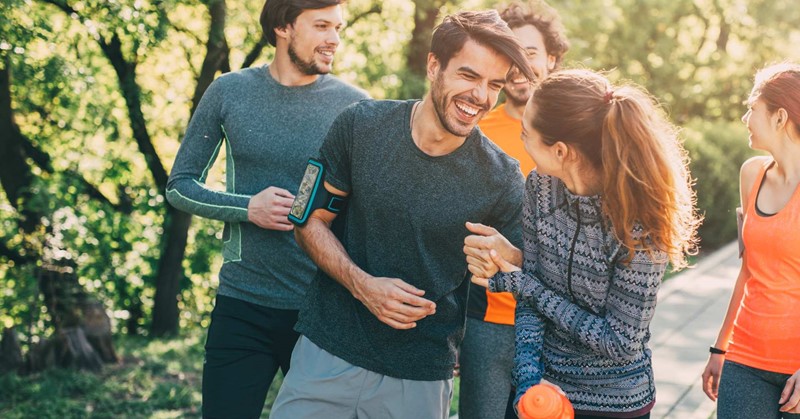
<point>312,195</point>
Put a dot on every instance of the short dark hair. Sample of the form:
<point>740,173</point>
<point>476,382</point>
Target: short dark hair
<point>545,19</point>
<point>485,28</point>
<point>280,13</point>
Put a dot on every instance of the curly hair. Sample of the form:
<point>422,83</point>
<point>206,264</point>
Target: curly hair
<point>545,19</point>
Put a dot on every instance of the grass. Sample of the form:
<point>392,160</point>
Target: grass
<point>156,379</point>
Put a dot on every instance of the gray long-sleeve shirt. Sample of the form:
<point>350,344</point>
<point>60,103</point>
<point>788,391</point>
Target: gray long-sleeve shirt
<point>269,131</point>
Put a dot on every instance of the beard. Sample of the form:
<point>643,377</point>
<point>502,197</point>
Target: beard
<point>309,67</point>
<point>440,99</point>
<point>518,98</point>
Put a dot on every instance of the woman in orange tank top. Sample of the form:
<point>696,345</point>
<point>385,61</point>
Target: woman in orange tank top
<point>754,366</point>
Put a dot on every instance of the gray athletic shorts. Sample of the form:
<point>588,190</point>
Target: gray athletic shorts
<point>321,385</point>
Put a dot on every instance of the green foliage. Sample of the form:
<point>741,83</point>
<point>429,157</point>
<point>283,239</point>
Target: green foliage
<point>696,56</point>
<point>154,379</point>
<point>717,151</point>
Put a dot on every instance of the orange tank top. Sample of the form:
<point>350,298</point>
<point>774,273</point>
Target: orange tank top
<point>766,332</point>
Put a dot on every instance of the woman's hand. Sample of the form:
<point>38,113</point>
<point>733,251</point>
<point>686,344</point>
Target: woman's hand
<point>790,397</point>
<point>502,264</point>
<point>478,247</point>
<point>710,378</point>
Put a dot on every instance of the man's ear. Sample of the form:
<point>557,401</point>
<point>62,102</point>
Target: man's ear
<point>433,66</point>
<point>551,62</point>
<point>282,32</point>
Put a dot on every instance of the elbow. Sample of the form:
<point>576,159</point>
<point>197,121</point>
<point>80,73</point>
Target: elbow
<point>172,196</point>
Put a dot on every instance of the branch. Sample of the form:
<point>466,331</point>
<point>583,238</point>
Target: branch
<point>376,8</point>
<point>131,92</point>
<point>254,53</point>
<point>216,50</point>
<point>9,254</point>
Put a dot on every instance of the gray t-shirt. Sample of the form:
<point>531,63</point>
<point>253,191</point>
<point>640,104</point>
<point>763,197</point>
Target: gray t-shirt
<point>405,219</point>
<point>268,131</point>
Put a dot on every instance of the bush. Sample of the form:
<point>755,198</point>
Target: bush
<point>717,151</point>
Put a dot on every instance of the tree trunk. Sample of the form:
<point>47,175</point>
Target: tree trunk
<point>177,223</point>
<point>216,50</point>
<point>83,337</point>
<point>15,175</point>
<point>425,14</point>
<point>66,301</point>
<point>10,352</point>
<point>170,270</point>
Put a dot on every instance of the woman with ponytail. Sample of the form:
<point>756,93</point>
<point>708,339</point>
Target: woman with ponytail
<point>608,207</point>
<point>754,366</point>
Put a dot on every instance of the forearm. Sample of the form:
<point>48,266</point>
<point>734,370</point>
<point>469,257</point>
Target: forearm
<point>725,331</point>
<point>327,252</point>
<point>617,334</point>
<point>189,195</point>
<point>528,370</point>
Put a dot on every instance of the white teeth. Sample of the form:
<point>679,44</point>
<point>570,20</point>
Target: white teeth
<point>327,53</point>
<point>522,80</point>
<point>469,110</point>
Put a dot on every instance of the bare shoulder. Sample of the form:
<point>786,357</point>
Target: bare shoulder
<point>747,175</point>
<point>752,166</point>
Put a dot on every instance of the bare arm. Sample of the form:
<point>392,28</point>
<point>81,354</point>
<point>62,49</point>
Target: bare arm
<point>392,300</point>
<point>713,370</point>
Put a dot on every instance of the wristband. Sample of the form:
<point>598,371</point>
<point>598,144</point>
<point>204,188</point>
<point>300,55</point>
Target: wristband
<point>717,351</point>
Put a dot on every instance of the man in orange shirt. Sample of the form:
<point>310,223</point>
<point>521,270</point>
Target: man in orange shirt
<point>487,351</point>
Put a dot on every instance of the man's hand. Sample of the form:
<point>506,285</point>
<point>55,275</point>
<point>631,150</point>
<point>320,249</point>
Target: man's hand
<point>790,397</point>
<point>478,245</point>
<point>710,377</point>
<point>502,265</point>
<point>393,301</point>
<point>269,208</point>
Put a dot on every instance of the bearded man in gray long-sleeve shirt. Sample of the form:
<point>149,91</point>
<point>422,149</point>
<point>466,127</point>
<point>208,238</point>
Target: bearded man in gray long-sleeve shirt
<point>269,119</point>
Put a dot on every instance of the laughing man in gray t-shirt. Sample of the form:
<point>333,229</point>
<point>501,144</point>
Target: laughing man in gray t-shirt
<point>385,313</point>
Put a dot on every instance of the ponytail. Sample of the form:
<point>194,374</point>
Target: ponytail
<point>625,135</point>
<point>646,177</point>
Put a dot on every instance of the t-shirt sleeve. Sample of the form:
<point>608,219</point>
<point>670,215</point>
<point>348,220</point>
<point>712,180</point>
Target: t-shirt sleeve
<point>507,213</point>
<point>336,150</point>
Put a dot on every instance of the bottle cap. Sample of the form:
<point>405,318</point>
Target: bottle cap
<point>542,402</point>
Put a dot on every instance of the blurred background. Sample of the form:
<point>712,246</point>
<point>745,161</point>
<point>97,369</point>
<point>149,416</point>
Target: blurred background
<point>105,290</point>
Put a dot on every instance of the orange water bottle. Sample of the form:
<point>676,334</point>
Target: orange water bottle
<point>544,402</point>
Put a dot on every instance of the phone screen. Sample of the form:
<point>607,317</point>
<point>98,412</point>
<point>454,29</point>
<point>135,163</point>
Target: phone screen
<point>306,191</point>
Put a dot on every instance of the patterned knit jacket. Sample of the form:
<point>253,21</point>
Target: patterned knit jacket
<point>583,316</point>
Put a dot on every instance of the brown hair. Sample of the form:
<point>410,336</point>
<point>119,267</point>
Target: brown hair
<point>622,132</point>
<point>280,13</point>
<point>545,19</point>
<point>483,27</point>
<point>778,86</point>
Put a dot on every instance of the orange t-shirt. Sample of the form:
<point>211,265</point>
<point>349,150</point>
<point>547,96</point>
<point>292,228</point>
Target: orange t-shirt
<point>766,332</point>
<point>504,131</point>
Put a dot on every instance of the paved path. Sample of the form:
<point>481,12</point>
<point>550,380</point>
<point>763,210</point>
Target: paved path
<point>690,310</point>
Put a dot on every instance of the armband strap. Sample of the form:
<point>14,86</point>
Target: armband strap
<point>717,351</point>
<point>312,195</point>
